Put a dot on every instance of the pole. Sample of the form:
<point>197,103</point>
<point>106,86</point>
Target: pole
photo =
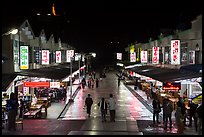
<point>70,99</point>
<point>79,69</point>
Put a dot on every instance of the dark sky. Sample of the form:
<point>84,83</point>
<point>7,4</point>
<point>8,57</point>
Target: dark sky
<point>92,25</point>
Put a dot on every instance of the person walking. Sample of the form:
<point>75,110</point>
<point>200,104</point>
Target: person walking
<point>199,113</point>
<point>183,109</point>
<point>192,113</point>
<point>167,113</point>
<point>156,108</point>
<point>118,81</point>
<point>103,107</point>
<point>179,120</point>
<point>88,103</point>
<point>12,108</point>
<point>112,103</point>
<point>97,82</point>
<point>83,83</point>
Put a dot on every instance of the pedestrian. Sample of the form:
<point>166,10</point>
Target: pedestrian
<point>92,83</point>
<point>22,107</point>
<point>199,113</point>
<point>183,109</point>
<point>94,74</point>
<point>156,108</point>
<point>103,107</point>
<point>12,108</point>
<point>167,113</point>
<point>118,81</point>
<point>192,113</point>
<point>88,103</point>
<point>83,83</point>
<point>97,82</point>
<point>179,120</point>
<point>112,103</point>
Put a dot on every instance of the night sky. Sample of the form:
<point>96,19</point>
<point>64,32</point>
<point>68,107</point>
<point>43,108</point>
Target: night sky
<point>90,26</point>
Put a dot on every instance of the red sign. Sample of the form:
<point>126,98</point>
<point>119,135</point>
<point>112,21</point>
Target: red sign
<point>171,86</point>
<point>36,84</point>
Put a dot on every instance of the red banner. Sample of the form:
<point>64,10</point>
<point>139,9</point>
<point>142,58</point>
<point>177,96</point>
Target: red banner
<point>36,84</point>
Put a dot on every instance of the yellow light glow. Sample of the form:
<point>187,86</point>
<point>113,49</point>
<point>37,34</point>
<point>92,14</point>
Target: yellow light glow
<point>53,10</point>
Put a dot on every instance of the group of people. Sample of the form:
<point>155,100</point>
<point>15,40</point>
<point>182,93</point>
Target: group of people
<point>103,105</point>
<point>180,114</point>
<point>92,80</point>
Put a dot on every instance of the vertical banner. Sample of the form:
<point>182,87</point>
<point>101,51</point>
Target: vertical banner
<point>119,56</point>
<point>191,57</point>
<point>143,56</point>
<point>24,62</point>
<point>58,57</point>
<point>45,57</point>
<point>155,55</point>
<point>132,57</point>
<point>70,53</point>
<point>175,52</point>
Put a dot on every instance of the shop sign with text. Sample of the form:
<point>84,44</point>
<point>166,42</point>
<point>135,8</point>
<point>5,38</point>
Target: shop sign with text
<point>24,62</point>
<point>155,55</point>
<point>58,57</point>
<point>143,56</point>
<point>175,52</point>
<point>132,57</point>
<point>45,57</point>
<point>70,53</point>
<point>119,56</point>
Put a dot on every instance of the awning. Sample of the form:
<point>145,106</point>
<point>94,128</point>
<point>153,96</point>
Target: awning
<point>7,80</point>
<point>194,68</point>
<point>57,72</point>
<point>165,74</point>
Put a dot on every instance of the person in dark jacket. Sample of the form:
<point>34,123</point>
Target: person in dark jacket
<point>88,103</point>
<point>200,115</point>
<point>181,104</point>
<point>12,108</point>
<point>103,107</point>
<point>192,113</point>
<point>156,108</point>
<point>167,113</point>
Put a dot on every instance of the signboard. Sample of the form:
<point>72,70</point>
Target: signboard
<point>132,57</point>
<point>119,56</point>
<point>70,53</point>
<point>45,57</point>
<point>143,56</point>
<point>77,56</point>
<point>171,86</point>
<point>58,56</point>
<point>155,55</point>
<point>25,90</point>
<point>175,52</point>
<point>36,84</point>
<point>191,57</point>
<point>24,62</point>
<point>54,84</point>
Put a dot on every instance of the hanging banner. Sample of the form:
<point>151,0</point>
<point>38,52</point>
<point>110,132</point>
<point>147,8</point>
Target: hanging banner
<point>119,56</point>
<point>58,56</point>
<point>24,62</point>
<point>191,57</point>
<point>175,52</point>
<point>70,53</point>
<point>132,57</point>
<point>155,55</point>
<point>143,56</point>
<point>45,57</point>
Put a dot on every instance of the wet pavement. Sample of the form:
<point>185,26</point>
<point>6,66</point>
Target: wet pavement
<point>133,115</point>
